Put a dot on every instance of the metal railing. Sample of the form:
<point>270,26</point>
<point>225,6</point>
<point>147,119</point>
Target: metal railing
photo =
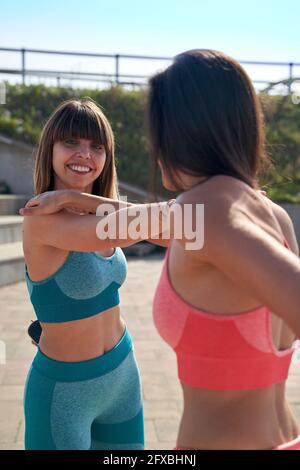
<point>116,77</point>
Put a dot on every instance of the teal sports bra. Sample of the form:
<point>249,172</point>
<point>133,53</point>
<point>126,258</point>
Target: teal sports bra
<point>86,284</point>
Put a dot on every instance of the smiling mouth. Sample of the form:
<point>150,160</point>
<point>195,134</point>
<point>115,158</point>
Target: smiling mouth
<point>79,169</point>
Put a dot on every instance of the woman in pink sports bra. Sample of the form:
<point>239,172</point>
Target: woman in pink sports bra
<point>230,310</point>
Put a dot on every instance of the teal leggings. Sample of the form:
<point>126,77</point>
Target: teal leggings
<point>88,405</point>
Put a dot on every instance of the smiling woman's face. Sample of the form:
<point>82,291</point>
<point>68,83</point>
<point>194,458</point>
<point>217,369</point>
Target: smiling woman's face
<point>77,163</point>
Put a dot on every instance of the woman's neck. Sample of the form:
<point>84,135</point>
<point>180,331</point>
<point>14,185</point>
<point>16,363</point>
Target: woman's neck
<point>60,185</point>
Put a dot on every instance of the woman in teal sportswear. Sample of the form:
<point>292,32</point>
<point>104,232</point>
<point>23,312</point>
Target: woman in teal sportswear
<point>83,390</point>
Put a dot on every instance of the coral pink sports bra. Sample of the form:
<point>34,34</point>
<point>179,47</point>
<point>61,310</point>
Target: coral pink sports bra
<point>218,351</point>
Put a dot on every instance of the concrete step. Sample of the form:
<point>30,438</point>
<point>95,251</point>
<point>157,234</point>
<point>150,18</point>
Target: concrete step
<point>11,263</point>
<point>10,228</point>
<point>11,203</point>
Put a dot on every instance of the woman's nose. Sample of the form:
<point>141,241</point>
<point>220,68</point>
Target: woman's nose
<point>85,152</point>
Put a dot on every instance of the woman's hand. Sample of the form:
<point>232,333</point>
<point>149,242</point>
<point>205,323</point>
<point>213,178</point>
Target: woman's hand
<point>52,202</point>
<point>49,202</point>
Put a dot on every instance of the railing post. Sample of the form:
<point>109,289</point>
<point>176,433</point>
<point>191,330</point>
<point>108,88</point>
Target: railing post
<point>117,68</point>
<point>290,75</point>
<point>23,66</point>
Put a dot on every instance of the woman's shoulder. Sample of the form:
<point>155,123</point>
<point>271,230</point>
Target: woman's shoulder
<point>230,203</point>
<point>215,197</point>
<point>35,225</point>
<point>215,188</point>
<point>200,193</point>
<point>218,196</point>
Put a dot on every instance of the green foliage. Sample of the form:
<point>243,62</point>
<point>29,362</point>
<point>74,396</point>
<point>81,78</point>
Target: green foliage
<point>282,119</point>
<point>284,189</point>
<point>28,107</point>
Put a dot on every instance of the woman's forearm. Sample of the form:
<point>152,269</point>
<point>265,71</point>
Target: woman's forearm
<point>90,202</point>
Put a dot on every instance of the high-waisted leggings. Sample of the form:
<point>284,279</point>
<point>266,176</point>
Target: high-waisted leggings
<point>93,404</point>
<point>291,445</point>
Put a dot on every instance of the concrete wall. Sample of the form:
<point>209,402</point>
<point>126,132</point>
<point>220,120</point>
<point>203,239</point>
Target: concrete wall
<point>11,203</point>
<point>294,212</point>
<point>16,165</point>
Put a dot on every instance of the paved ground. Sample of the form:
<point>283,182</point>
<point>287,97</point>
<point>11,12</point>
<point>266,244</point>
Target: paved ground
<point>162,393</point>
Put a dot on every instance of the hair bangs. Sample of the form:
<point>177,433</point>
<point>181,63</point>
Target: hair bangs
<point>79,122</point>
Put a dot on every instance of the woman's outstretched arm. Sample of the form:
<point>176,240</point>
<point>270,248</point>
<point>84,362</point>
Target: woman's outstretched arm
<point>51,202</point>
<point>54,201</point>
<point>98,232</point>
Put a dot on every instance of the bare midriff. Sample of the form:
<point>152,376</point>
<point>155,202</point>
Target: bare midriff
<point>84,339</point>
<point>252,419</point>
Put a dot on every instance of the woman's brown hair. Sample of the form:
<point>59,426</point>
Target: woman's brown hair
<point>80,118</point>
<point>204,118</point>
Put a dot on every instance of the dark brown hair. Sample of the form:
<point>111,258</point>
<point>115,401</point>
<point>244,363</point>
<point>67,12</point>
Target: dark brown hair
<point>204,118</point>
<point>80,119</point>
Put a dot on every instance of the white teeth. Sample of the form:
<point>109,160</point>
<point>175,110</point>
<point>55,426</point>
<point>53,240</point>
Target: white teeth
<point>83,169</point>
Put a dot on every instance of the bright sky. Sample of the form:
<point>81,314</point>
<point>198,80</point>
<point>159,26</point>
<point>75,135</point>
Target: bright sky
<point>257,30</point>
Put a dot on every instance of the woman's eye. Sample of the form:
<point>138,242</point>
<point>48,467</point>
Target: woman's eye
<point>98,146</point>
<point>71,142</point>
